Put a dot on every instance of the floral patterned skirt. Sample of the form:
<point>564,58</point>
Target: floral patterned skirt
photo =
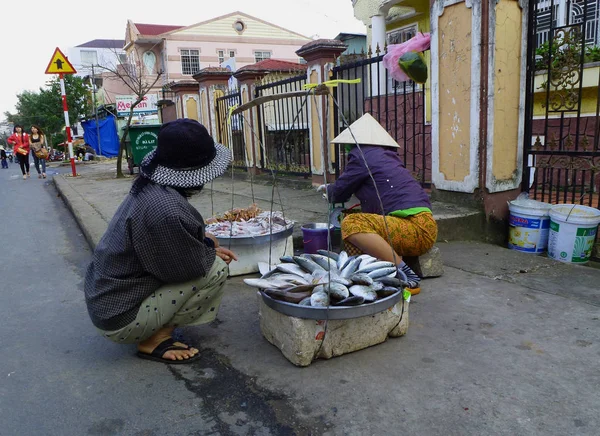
<point>411,236</point>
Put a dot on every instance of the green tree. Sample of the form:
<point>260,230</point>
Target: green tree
<point>44,107</point>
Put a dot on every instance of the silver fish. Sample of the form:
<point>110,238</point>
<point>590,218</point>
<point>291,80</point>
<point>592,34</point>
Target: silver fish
<point>366,259</point>
<point>267,284</point>
<point>342,259</point>
<point>264,268</point>
<point>386,291</point>
<point>286,259</point>
<point>292,278</point>
<point>291,268</point>
<point>361,279</point>
<point>350,268</point>
<point>372,266</point>
<point>366,292</point>
<point>341,280</point>
<point>305,302</point>
<point>291,297</point>
<point>307,264</point>
<point>336,290</point>
<point>350,301</point>
<point>381,272</point>
<point>319,299</point>
<point>324,262</point>
<point>299,288</point>
<point>389,281</point>
<point>329,254</point>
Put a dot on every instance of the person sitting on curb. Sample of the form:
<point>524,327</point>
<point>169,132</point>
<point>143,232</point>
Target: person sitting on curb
<point>155,268</point>
<point>377,176</point>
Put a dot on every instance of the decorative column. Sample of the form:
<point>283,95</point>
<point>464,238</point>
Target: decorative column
<point>320,56</point>
<point>187,97</point>
<point>247,80</point>
<point>478,97</point>
<point>213,84</point>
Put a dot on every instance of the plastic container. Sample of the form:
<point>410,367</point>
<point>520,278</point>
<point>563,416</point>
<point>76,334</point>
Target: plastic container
<point>315,236</point>
<point>573,230</point>
<point>529,223</point>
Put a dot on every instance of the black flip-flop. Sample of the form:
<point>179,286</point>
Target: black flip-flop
<point>162,348</point>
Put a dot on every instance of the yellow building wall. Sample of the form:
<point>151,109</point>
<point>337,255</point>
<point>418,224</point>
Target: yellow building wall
<point>507,88</point>
<point>315,131</point>
<point>454,89</point>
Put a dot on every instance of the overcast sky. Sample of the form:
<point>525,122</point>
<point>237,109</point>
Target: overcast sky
<point>32,29</point>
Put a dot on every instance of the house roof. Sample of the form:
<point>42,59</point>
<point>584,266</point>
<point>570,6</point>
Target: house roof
<point>273,65</point>
<point>103,43</point>
<point>155,29</point>
<point>345,35</point>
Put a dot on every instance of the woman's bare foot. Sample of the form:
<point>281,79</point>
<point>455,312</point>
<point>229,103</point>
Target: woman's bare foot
<point>150,344</point>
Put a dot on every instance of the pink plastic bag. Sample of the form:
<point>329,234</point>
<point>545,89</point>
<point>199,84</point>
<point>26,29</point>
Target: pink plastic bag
<point>418,43</point>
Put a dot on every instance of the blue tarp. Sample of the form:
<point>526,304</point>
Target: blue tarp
<point>108,136</point>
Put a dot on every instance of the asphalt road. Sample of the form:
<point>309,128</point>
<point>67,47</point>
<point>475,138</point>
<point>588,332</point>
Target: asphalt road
<point>59,377</point>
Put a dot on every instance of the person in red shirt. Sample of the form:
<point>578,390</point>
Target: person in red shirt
<point>20,142</point>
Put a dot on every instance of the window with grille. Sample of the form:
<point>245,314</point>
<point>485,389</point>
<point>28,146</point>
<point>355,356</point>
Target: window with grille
<point>89,57</point>
<point>221,55</point>
<point>190,61</point>
<point>231,54</point>
<point>262,55</point>
<point>401,35</point>
<point>557,13</point>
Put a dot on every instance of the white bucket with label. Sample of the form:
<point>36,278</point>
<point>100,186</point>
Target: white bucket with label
<point>529,222</point>
<point>573,230</point>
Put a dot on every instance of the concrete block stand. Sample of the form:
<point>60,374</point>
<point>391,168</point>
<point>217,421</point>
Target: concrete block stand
<point>304,340</point>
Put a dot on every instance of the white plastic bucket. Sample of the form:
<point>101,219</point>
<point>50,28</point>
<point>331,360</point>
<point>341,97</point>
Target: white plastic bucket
<point>529,223</point>
<point>573,231</point>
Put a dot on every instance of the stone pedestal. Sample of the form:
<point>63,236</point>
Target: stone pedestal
<point>304,340</point>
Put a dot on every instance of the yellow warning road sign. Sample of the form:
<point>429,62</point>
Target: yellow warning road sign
<point>59,64</point>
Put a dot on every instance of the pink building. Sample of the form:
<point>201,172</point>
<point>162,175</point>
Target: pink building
<point>181,51</point>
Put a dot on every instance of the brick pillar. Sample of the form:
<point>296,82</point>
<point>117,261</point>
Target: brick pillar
<point>247,80</point>
<point>213,84</point>
<point>320,56</point>
<point>478,73</point>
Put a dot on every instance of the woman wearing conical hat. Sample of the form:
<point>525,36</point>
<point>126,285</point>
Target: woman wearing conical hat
<point>395,219</point>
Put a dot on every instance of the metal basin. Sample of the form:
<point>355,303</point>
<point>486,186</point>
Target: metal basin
<point>254,240</point>
<point>332,312</point>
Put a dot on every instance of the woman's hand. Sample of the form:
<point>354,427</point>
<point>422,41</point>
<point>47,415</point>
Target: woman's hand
<point>212,238</point>
<point>226,255</point>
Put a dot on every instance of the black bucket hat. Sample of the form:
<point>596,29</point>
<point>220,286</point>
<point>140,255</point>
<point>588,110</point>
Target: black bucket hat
<point>186,156</point>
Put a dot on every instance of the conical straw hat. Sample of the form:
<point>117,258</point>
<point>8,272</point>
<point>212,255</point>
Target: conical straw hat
<point>366,131</point>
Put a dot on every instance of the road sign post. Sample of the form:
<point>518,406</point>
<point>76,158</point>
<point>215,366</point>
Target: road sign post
<point>59,64</point>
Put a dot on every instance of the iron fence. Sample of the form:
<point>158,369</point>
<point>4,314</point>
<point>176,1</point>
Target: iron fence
<point>400,107</point>
<point>562,130</point>
<point>283,128</point>
<point>230,129</point>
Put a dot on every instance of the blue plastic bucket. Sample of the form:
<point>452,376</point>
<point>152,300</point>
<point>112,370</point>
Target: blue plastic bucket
<point>315,236</point>
<point>529,223</point>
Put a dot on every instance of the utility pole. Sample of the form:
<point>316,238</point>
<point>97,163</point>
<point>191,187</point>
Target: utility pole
<point>96,110</point>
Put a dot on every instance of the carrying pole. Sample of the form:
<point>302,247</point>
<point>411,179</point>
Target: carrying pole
<point>63,95</point>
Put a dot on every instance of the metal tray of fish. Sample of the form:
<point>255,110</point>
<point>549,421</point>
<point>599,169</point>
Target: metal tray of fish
<point>254,240</point>
<point>331,312</point>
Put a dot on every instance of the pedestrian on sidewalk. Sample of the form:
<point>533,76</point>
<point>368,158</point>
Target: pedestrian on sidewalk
<point>155,268</point>
<point>37,142</point>
<point>3,158</point>
<point>20,142</point>
<point>377,176</point>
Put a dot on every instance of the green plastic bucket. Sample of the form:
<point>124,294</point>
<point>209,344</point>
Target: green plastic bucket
<point>573,230</point>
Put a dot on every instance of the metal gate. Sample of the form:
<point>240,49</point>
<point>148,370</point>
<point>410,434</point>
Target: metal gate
<point>230,129</point>
<point>562,130</point>
<point>283,128</point>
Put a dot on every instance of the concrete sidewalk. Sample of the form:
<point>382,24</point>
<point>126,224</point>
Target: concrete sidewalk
<point>503,344</point>
<point>96,194</point>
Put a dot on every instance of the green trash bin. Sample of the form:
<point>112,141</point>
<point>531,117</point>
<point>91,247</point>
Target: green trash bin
<point>143,138</point>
